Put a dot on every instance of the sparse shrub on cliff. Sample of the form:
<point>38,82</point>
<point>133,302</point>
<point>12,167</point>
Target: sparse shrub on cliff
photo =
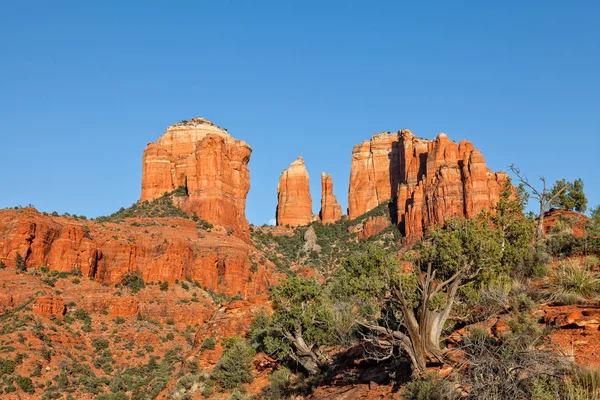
<point>133,281</point>
<point>208,344</point>
<point>20,263</point>
<point>164,286</point>
<point>2,265</point>
<point>179,192</point>
<point>158,208</point>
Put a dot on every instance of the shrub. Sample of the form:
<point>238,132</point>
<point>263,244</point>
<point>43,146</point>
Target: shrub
<point>279,385</point>
<point>431,387</point>
<point>100,344</point>
<point>133,281</point>
<point>20,263</point>
<point>572,278</point>
<point>234,366</point>
<point>25,384</point>
<point>208,344</point>
<point>119,320</point>
<point>164,286</point>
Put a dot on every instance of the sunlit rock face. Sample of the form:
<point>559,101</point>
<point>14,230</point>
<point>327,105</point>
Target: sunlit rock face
<point>433,180</point>
<point>210,164</point>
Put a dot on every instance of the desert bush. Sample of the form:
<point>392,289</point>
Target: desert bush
<point>279,385</point>
<point>430,387</point>
<point>571,278</point>
<point>133,281</point>
<point>208,344</point>
<point>25,384</point>
<point>234,366</point>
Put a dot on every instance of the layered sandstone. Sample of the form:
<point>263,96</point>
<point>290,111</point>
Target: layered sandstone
<point>294,205</point>
<point>158,249</point>
<point>331,211</point>
<point>433,180</point>
<point>48,306</point>
<point>210,164</point>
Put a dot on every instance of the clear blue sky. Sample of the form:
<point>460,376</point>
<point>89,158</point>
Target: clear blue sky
<point>85,85</point>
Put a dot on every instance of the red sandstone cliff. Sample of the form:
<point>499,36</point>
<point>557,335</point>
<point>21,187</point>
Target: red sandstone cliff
<point>331,211</point>
<point>294,205</point>
<point>158,249</point>
<point>210,164</point>
<point>433,179</point>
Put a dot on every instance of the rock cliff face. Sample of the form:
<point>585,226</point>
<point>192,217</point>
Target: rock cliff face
<point>433,180</point>
<point>158,249</point>
<point>331,211</point>
<point>294,205</point>
<point>210,164</point>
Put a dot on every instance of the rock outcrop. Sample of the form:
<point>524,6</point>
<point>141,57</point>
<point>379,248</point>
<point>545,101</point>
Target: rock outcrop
<point>49,305</point>
<point>294,205</point>
<point>433,180</point>
<point>331,211</point>
<point>157,249</point>
<point>210,164</point>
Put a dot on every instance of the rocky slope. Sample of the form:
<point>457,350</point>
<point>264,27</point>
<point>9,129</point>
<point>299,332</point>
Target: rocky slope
<point>294,205</point>
<point>331,211</point>
<point>156,249</point>
<point>211,165</point>
<point>433,180</point>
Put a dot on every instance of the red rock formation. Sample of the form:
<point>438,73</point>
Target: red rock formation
<point>331,211</point>
<point>294,206</point>
<point>373,226</point>
<point>433,179</point>
<point>161,249</point>
<point>210,164</point>
<point>372,165</point>
<point>575,222</point>
<point>47,306</point>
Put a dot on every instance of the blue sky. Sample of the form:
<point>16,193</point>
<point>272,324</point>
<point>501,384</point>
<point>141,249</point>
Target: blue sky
<point>84,86</point>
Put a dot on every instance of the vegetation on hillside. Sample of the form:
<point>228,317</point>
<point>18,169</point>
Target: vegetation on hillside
<point>335,242</point>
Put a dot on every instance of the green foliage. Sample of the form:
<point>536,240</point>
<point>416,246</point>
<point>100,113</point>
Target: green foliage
<point>234,367</point>
<point>572,196</point>
<point>7,366</point>
<point>20,263</point>
<point>25,384</point>
<point>164,286</point>
<point>279,385</point>
<point>430,387</point>
<point>100,344</point>
<point>593,231</point>
<point>572,278</point>
<point>133,281</point>
<point>158,208</point>
<point>335,240</point>
<point>300,311</point>
<point>208,344</point>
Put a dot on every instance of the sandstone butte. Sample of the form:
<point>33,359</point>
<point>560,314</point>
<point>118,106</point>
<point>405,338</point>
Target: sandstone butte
<point>157,249</point>
<point>433,180</point>
<point>331,211</point>
<point>210,164</point>
<point>294,205</point>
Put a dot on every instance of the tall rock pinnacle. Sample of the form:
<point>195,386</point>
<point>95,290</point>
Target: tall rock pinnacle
<point>331,211</point>
<point>294,205</point>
